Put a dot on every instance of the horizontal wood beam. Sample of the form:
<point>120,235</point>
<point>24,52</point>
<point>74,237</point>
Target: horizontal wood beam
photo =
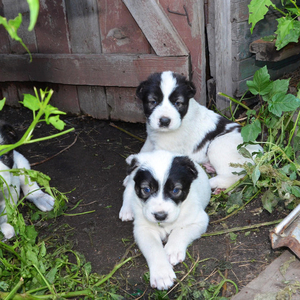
<point>123,70</point>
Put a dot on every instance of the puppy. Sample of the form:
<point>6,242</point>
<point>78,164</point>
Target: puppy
<point>10,185</point>
<point>177,123</point>
<point>166,195</point>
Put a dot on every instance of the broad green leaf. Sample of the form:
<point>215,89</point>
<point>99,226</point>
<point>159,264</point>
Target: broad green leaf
<point>277,86</point>
<point>288,31</point>
<point>257,11</point>
<point>295,190</point>
<point>251,131</point>
<point>281,103</point>
<point>2,103</point>
<point>31,102</point>
<point>34,6</point>
<point>261,83</point>
<point>245,153</point>
<point>57,123</point>
<point>51,275</point>
<point>269,201</point>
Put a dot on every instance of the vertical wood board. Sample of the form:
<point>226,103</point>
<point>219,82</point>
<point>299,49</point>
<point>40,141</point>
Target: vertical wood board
<point>4,41</point>
<point>51,27</point>
<point>85,38</point>
<point>157,28</point>
<point>223,52</point>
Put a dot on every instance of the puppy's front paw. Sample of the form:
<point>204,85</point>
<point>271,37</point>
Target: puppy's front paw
<point>126,214</point>
<point>175,253</point>
<point>162,277</point>
<point>43,201</point>
<point>7,230</point>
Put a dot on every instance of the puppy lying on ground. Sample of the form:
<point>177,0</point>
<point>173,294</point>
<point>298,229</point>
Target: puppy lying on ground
<point>10,185</point>
<point>177,123</point>
<point>166,195</point>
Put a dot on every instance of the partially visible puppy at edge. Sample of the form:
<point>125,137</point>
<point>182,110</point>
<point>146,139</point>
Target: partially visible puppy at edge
<point>177,123</point>
<point>10,185</point>
<point>166,195</point>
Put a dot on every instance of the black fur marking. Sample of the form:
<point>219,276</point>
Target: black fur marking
<point>150,93</point>
<point>181,175</point>
<point>218,131</point>
<point>133,165</point>
<point>145,184</point>
<point>8,136</point>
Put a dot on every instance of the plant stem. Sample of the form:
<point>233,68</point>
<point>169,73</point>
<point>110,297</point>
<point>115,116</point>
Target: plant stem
<point>15,289</point>
<point>235,101</point>
<point>241,228</point>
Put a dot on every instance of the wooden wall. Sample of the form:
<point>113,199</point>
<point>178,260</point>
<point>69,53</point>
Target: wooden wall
<point>94,53</point>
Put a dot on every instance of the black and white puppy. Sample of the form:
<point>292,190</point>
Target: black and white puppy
<point>166,195</point>
<point>10,185</point>
<point>177,123</point>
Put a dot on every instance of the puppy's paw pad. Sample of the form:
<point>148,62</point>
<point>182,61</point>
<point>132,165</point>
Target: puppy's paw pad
<point>44,202</point>
<point>7,230</point>
<point>126,214</point>
<point>163,279</point>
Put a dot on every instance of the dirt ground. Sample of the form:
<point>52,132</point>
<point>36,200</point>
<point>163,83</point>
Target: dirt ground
<point>92,169</point>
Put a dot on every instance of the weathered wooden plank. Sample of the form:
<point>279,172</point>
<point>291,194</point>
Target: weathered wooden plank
<point>93,69</point>
<point>157,28</point>
<point>119,31</point>
<point>11,8</point>
<point>124,105</point>
<point>10,92</point>
<point>266,51</point>
<point>51,27</point>
<point>191,30</point>
<point>85,38</point>
<point>223,51</point>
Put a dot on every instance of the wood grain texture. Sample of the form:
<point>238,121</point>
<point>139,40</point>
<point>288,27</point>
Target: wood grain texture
<point>94,69</point>
<point>157,27</point>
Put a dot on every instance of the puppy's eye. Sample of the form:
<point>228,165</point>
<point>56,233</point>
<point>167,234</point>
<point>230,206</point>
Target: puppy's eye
<point>152,102</point>
<point>176,191</point>
<point>146,190</point>
<point>178,103</point>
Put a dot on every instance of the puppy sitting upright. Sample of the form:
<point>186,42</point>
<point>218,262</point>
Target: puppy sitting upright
<point>10,184</point>
<point>177,123</point>
<point>166,195</point>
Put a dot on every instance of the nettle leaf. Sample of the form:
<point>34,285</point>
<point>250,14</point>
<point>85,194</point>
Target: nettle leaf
<point>288,31</point>
<point>31,102</point>
<point>257,11</point>
<point>251,131</point>
<point>281,102</point>
<point>295,190</point>
<point>261,83</point>
<point>245,153</point>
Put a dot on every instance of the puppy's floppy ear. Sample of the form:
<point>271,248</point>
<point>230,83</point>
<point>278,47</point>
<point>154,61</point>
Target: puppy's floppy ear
<point>132,162</point>
<point>191,89</point>
<point>188,165</point>
<point>141,89</point>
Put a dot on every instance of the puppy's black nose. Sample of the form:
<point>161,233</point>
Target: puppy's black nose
<point>160,216</point>
<point>164,122</point>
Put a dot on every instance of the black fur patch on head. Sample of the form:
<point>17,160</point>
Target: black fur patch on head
<point>145,184</point>
<point>150,93</point>
<point>7,136</point>
<point>221,129</point>
<point>133,165</point>
<point>181,175</point>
